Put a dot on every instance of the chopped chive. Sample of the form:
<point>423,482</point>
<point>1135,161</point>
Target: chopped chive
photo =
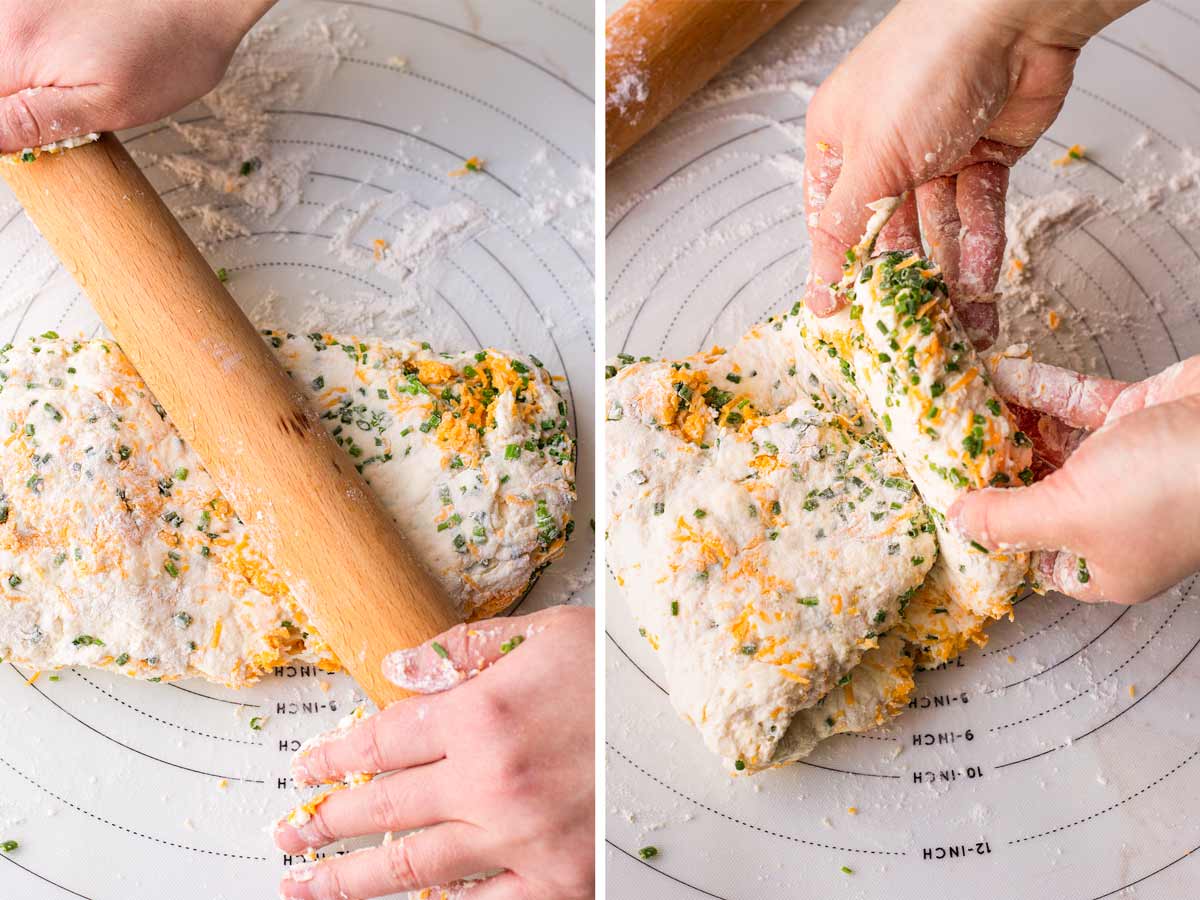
<point>512,643</point>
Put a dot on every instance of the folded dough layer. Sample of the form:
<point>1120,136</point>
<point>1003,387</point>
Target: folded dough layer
<point>763,555</point>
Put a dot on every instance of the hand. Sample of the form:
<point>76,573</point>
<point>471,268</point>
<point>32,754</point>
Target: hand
<point>942,97</point>
<point>496,764</point>
<point>69,67</point>
<point>1120,517</point>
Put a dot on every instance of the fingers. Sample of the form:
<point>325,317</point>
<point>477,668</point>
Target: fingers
<point>456,655</point>
<point>1180,380</point>
<point>505,886</point>
<point>844,217</point>
<point>979,318</point>
<point>1032,518</point>
<point>989,151</point>
<point>446,853</point>
<point>937,201</point>
<point>938,211</point>
<point>399,737</point>
<point>1038,517</point>
<point>903,230</point>
<point>980,194</point>
<point>1064,572</point>
<point>39,116</point>
<point>413,798</point>
<point>1081,401</point>
<point>1053,441</point>
<point>822,164</point>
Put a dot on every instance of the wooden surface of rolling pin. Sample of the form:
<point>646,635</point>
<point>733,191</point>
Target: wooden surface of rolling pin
<point>299,493</point>
<point>660,52</point>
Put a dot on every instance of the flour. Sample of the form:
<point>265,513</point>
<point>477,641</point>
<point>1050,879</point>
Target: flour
<point>1035,224</point>
<point>227,148</point>
<point>792,59</point>
<point>1155,207</point>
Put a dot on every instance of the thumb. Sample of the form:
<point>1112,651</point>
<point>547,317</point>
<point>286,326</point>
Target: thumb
<point>38,116</point>
<point>1038,517</point>
<point>456,655</point>
<point>843,218</point>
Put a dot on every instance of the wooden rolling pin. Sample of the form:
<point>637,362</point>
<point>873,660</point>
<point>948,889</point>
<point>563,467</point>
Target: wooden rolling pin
<point>297,491</point>
<point>660,52</point>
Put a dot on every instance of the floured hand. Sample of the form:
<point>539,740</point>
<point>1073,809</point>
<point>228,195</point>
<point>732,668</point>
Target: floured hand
<point>941,97</point>
<point>494,761</point>
<point>69,67</point>
<point>1119,520</point>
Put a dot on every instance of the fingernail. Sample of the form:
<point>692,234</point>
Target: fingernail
<point>821,301</point>
<point>421,670</point>
<point>300,773</point>
<point>954,518</point>
<point>294,885</point>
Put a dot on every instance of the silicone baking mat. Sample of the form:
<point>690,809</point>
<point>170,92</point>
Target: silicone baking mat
<point>1062,761</point>
<point>117,789</point>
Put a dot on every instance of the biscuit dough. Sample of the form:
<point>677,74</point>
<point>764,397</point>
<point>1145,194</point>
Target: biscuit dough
<point>777,511</point>
<point>763,553</point>
<point>118,551</point>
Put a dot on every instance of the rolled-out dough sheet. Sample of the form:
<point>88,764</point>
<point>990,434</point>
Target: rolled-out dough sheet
<point>118,551</point>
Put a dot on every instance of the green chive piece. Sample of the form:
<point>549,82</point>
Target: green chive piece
<point>440,650</point>
<point>648,852</point>
<point>512,643</point>
<point>256,724</point>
